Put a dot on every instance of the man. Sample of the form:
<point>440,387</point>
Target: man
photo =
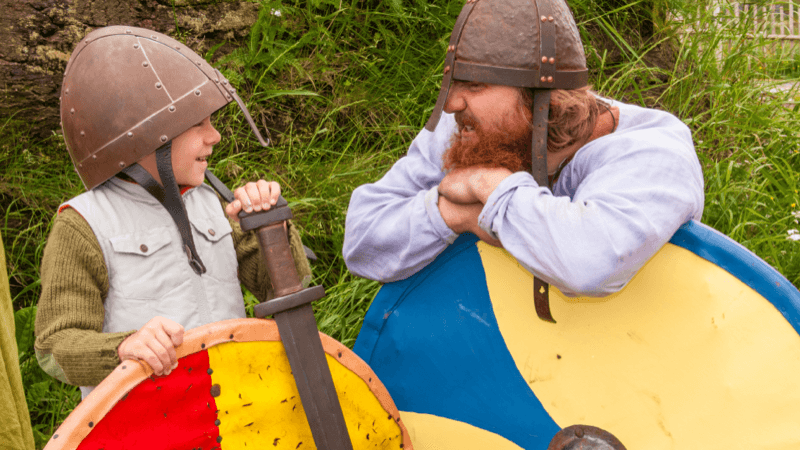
<point>624,178</point>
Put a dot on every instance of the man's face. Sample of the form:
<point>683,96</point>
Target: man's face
<point>493,127</point>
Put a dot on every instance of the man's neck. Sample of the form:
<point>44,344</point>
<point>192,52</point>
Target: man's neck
<point>606,124</point>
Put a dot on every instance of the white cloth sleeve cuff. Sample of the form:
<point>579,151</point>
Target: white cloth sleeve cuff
<point>432,208</point>
<point>492,206</point>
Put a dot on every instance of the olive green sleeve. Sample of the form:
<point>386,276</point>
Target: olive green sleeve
<point>70,344</point>
<point>252,269</point>
<point>15,434</point>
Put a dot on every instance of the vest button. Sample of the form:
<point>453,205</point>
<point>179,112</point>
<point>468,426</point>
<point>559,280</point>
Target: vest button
<point>211,232</point>
<point>143,248</point>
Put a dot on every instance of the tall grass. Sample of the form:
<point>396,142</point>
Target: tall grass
<point>344,86</point>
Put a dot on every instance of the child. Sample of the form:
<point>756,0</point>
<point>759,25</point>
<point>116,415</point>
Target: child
<point>146,252</point>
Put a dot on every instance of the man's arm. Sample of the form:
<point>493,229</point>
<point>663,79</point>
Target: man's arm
<point>394,227</point>
<point>630,193</point>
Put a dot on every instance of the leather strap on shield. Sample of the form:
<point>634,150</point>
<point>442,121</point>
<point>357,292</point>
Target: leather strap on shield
<point>169,196</point>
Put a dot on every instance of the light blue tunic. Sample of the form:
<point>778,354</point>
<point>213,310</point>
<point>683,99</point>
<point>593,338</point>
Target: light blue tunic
<point>614,205</point>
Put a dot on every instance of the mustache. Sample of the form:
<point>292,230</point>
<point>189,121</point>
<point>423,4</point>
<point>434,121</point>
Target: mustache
<point>466,119</point>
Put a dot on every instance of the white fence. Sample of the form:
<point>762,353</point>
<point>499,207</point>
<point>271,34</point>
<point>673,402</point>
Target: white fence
<point>774,20</point>
<point>777,21</point>
<point>772,26</point>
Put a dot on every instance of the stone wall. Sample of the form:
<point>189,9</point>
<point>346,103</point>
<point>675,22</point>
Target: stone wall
<point>38,36</point>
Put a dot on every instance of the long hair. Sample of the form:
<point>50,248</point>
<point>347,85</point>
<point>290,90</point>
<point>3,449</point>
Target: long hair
<point>573,115</point>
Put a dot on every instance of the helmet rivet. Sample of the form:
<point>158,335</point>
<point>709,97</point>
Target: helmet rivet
<point>228,96</point>
<point>198,63</point>
<point>197,92</point>
<point>451,48</point>
<point>158,85</point>
<point>550,18</point>
<point>544,19</point>
<point>122,163</point>
<point>163,139</point>
<point>128,31</point>
<point>216,81</point>
<point>177,47</point>
<point>552,60</point>
<point>72,111</point>
<point>154,36</point>
<point>543,79</point>
<point>224,82</point>
<point>94,156</point>
<point>172,108</point>
<point>67,91</point>
<point>130,133</point>
<point>549,79</point>
<point>83,133</point>
<point>136,45</point>
<point>145,64</point>
<point>544,59</point>
<point>447,69</point>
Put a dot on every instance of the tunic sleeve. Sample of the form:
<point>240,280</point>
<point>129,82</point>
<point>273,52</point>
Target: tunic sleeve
<point>393,226</point>
<point>70,344</point>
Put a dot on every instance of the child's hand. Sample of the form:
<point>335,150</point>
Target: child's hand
<point>261,195</point>
<point>154,344</point>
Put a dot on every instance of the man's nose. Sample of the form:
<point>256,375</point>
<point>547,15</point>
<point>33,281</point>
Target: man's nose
<point>455,99</point>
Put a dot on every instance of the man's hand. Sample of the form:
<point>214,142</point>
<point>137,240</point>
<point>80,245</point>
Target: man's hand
<point>472,184</point>
<point>462,218</point>
<point>253,197</point>
<point>154,344</point>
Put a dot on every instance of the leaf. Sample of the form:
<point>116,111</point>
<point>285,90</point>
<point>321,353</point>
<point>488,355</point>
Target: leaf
<point>24,321</point>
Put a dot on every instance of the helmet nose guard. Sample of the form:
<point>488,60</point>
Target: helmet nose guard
<point>521,43</point>
<point>127,91</point>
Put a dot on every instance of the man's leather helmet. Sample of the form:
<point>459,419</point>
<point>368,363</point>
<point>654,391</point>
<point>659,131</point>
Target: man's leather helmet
<point>523,43</point>
<point>127,91</point>
<point>531,44</point>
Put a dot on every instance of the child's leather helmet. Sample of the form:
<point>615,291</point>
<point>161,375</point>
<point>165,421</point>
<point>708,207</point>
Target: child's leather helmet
<point>127,91</point>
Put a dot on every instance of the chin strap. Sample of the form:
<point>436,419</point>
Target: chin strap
<point>169,195</point>
<point>541,113</point>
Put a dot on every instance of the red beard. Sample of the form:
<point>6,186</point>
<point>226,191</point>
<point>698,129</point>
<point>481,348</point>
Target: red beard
<point>508,145</point>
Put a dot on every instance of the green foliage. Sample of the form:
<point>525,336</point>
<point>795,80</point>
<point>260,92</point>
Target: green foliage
<point>344,86</point>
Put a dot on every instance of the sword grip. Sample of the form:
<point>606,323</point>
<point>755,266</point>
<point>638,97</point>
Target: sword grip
<point>278,257</point>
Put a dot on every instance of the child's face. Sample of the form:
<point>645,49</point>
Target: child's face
<point>190,151</point>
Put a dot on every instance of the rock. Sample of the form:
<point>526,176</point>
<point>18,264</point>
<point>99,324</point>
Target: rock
<point>39,35</point>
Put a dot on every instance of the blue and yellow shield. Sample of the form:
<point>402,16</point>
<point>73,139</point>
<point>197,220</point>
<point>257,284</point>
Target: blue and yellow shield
<point>699,351</point>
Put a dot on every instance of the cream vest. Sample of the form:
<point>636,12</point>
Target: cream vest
<point>148,270</point>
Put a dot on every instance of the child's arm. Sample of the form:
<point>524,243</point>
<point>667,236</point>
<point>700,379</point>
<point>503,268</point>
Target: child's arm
<point>70,344</point>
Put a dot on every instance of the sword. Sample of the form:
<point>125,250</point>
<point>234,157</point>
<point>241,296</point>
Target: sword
<point>291,309</point>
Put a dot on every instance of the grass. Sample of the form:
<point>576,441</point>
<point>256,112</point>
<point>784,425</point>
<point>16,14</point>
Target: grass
<point>344,86</point>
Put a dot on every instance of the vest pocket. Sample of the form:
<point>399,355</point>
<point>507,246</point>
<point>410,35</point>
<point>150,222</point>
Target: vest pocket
<point>216,241</point>
<point>141,265</point>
